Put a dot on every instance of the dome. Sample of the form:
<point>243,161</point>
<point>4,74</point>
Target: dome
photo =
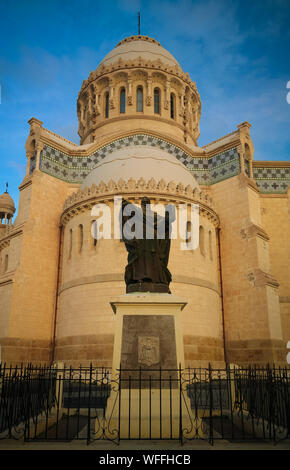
<point>139,46</point>
<point>7,204</point>
<point>140,162</point>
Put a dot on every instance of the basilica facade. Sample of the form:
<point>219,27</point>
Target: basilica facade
<point>139,116</point>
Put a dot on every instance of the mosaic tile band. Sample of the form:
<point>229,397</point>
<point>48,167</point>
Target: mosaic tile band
<point>206,170</point>
<point>272,180</point>
<point>74,169</point>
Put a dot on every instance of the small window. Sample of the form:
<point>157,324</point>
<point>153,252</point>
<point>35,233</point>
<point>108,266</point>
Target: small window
<point>156,101</point>
<point>70,244</point>
<point>139,99</point>
<point>107,105</point>
<point>188,233</point>
<point>172,106</point>
<point>81,237</point>
<point>94,233</point>
<point>122,100</point>
<point>201,240</point>
<point>210,244</point>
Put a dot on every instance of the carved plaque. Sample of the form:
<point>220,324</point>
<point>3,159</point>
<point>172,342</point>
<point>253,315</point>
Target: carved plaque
<point>148,342</point>
<point>148,350</point>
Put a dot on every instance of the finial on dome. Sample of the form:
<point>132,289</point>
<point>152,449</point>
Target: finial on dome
<point>139,33</point>
<point>6,188</point>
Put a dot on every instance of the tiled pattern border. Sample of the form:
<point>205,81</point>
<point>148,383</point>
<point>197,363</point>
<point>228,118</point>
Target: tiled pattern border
<point>74,169</point>
<point>272,180</point>
<point>206,170</point>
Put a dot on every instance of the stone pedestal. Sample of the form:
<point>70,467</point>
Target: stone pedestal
<point>147,398</point>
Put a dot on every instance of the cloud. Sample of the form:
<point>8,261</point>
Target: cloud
<point>19,167</point>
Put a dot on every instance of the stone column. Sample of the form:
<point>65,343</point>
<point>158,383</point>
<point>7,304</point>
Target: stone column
<point>251,169</point>
<point>90,102</point>
<point>181,103</point>
<point>29,155</point>
<point>111,94</point>
<point>149,91</point>
<point>129,91</point>
<point>81,112</point>
<point>97,103</point>
<point>242,160</point>
<point>39,147</point>
<point>167,94</point>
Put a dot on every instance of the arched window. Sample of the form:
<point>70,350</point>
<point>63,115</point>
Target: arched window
<point>210,244</point>
<point>70,241</point>
<point>139,99</point>
<point>122,100</point>
<point>81,237</point>
<point>188,233</point>
<point>172,106</point>
<point>94,233</point>
<point>156,101</point>
<point>201,240</point>
<point>107,105</point>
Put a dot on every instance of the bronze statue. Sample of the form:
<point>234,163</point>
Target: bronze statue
<point>147,270</point>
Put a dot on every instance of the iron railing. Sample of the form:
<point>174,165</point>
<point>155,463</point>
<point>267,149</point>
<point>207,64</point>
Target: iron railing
<point>90,403</point>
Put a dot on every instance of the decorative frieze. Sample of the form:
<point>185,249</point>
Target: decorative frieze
<point>140,62</point>
<point>74,169</point>
<point>170,192</point>
<point>271,179</point>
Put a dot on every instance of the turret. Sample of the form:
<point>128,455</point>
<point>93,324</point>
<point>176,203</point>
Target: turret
<point>7,210</point>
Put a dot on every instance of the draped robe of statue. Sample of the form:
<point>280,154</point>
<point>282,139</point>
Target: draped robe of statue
<point>147,270</point>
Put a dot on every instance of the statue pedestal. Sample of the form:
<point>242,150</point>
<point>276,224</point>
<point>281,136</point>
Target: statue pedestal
<point>148,315</point>
<point>148,399</point>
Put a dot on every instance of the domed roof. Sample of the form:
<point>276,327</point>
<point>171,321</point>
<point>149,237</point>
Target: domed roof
<point>140,162</point>
<point>6,203</point>
<point>139,46</point>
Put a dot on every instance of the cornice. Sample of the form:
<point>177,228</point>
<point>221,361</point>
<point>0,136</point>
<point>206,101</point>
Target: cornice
<point>270,164</point>
<point>271,195</point>
<point>119,277</point>
<point>136,117</point>
<point>27,181</point>
<point>90,149</point>
<point>138,38</point>
<point>223,147</point>
<point>260,278</point>
<point>139,63</point>
<point>254,230</point>
<point>220,138</point>
<point>133,190</point>
<point>60,137</point>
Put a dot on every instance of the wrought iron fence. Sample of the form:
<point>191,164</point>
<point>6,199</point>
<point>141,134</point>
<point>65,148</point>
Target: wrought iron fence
<point>25,393</point>
<point>90,403</point>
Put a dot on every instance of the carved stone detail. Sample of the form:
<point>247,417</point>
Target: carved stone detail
<point>148,350</point>
<point>160,190</point>
<point>148,100</point>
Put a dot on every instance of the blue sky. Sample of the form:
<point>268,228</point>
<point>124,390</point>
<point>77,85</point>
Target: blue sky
<point>237,52</point>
